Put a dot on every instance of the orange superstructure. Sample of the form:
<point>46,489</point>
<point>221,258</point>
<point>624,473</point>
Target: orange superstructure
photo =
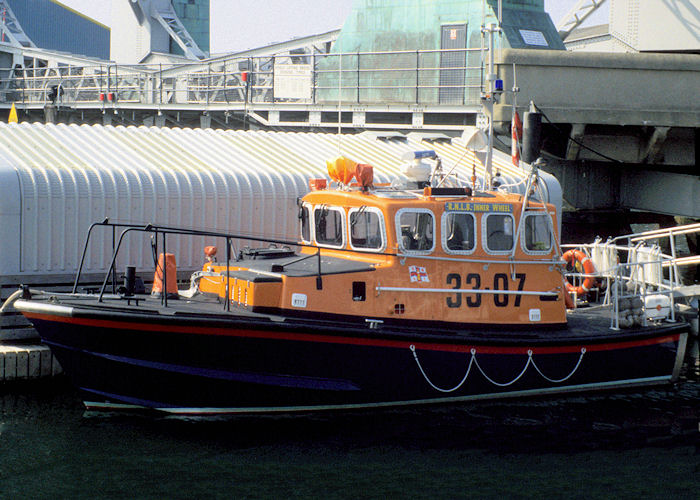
<point>409,255</point>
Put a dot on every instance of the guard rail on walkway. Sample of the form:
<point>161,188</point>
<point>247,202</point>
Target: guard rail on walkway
<point>413,77</point>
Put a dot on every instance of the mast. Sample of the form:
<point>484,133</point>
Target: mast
<point>490,95</point>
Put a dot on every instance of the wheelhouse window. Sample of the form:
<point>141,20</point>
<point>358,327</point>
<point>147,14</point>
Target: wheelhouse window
<point>537,235</point>
<point>329,226</point>
<point>458,234</point>
<point>366,229</point>
<point>416,230</point>
<point>305,223</point>
<point>498,232</point>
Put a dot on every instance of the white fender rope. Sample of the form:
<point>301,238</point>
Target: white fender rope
<point>473,360</point>
<point>527,363</point>
<point>425,376</point>
<point>557,381</point>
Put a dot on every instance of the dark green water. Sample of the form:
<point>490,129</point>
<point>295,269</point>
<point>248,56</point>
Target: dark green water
<point>633,445</point>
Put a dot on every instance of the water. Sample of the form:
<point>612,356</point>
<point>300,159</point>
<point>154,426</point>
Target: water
<point>634,445</point>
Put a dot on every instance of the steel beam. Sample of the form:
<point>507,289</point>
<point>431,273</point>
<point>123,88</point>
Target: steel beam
<point>661,192</point>
<point>10,29</point>
<point>577,15</point>
<point>167,17</point>
<point>653,153</point>
<point>578,130</point>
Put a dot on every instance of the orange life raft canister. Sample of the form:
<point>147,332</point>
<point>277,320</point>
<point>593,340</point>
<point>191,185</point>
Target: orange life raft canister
<point>166,261</point>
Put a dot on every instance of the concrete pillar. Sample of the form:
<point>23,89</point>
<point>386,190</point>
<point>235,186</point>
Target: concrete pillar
<point>50,113</point>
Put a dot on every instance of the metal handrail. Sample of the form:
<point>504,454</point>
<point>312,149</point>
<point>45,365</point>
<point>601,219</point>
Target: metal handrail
<point>209,83</point>
<point>628,272</point>
<point>164,231</point>
<point>170,230</point>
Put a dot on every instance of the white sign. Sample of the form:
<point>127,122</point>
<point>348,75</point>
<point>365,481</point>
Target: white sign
<point>292,81</point>
<point>531,37</point>
<point>298,300</point>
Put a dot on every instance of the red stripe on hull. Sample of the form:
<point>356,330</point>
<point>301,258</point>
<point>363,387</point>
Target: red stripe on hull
<point>306,337</point>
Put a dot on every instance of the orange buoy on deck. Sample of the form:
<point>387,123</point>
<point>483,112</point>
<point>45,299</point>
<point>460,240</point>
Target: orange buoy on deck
<point>210,251</point>
<point>170,276</point>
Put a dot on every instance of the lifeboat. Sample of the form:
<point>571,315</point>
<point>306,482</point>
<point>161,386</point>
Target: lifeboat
<point>415,293</point>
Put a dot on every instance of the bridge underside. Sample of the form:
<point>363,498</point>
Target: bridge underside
<point>620,131</point>
<point>622,167</point>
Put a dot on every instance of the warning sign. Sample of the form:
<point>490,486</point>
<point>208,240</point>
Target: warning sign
<point>292,81</point>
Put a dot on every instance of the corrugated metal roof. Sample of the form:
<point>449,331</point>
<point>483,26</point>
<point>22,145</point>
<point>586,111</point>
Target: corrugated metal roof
<point>55,180</point>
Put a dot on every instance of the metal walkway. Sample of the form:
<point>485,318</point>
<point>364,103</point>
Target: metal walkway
<point>296,83</point>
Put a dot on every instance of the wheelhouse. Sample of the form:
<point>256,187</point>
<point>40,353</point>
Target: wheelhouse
<point>430,247</point>
<point>423,225</point>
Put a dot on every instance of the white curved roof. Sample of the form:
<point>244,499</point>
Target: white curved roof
<point>55,180</point>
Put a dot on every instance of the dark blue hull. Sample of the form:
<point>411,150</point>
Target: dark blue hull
<point>194,365</point>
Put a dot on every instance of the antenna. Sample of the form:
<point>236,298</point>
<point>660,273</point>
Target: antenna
<point>340,87</point>
<point>483,27</point>
<point>490,95</point>
<point>516,132</point>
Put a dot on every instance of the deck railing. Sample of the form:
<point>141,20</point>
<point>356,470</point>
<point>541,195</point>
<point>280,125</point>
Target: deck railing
<point>646,272</point>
